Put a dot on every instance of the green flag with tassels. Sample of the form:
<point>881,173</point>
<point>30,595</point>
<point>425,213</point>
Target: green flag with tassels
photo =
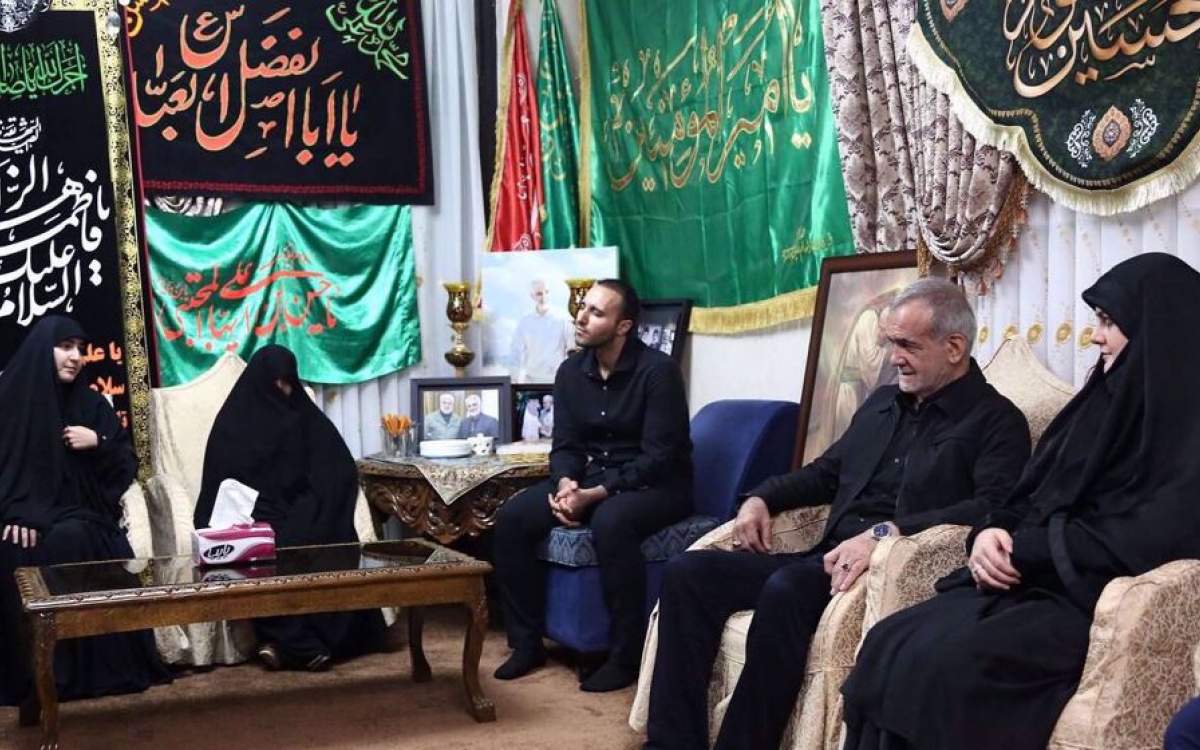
<point>560,136</point>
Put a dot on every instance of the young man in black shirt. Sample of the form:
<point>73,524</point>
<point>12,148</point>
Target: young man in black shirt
<point>940,446</point>
<point>621,463</point>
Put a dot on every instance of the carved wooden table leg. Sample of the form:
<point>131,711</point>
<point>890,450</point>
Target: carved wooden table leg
<point>480,706</point>
<point>44,638</point>
<point>420,666</point>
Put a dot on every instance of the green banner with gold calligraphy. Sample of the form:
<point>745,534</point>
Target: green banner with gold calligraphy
<point>711,157</point>
<point>1097,99</point>
<point>337,286</point>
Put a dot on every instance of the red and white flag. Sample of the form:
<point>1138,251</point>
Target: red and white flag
<point>517,183</point>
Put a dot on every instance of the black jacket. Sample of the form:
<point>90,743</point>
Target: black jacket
<point>966,459</point>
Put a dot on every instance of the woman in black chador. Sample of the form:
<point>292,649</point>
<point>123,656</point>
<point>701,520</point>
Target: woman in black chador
<point>1112,490</point>
<point>64,464</point>
<point>271,437</point>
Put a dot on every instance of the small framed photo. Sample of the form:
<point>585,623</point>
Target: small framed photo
<point>532,411</point>
<point>848,357</point>
<point>664,325</point>
<point>458,408</point>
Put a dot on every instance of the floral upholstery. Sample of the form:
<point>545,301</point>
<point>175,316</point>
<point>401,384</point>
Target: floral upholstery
<point>1139,664</point>
<point>574,547</point>
<point>180,419</point>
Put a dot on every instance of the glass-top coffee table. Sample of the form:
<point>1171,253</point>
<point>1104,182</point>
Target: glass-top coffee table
<point>83,599</point>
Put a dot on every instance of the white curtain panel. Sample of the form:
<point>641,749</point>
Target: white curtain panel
<point>448,236</point>
<point>1060,253</point>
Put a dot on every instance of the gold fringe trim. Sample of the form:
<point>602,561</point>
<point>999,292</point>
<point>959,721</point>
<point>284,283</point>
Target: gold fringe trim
<point>514,13</point>
<point>585,131</point>
<point>752,316</point>
<point>1161,184</point>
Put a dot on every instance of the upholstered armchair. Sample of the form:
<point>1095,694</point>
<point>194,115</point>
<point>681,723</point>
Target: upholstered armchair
<point>180,420</point>
<point>902,573</point>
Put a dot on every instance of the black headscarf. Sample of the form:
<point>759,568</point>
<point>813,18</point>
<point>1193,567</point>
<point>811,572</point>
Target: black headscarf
<point>1116,478</point>
<point>40,477</point>
<point>284,447</point>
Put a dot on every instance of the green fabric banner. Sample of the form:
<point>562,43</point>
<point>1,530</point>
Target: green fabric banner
<point>560,136</point>
<point>712,159</point>
<point>336,286</point>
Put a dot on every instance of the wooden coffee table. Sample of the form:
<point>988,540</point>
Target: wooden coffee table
<point>84,599</point>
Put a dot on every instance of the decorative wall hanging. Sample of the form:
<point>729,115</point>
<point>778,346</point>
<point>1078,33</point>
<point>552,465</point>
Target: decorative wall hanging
<point>321,100</point>
<point>710,155</point>
<point>68,226</point>
<point>1097,99</point>
<point>337,286</point>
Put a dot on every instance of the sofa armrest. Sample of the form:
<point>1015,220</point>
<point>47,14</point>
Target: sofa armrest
<point>791,531</point>
<point>135,519</point>
<point>904,569</point>
<point>170,510</point>
<point>1139,664</point>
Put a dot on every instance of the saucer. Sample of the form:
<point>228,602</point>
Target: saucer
<point>445,448</point>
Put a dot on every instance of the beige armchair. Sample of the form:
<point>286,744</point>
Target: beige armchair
<point>180,420</point>
<point>902,573</point>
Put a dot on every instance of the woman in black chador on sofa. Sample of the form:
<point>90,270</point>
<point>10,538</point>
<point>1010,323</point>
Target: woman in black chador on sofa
<point>1112,490</point>
<point>65,461</point>
<point>270,436</point>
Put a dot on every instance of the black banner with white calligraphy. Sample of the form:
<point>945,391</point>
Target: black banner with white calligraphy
<point>60,231</point>
<point>323,99</point>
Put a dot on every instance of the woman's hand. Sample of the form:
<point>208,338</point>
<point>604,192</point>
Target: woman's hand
<point>991,561</point>
<point>20,535</point>
<point>80,438</point>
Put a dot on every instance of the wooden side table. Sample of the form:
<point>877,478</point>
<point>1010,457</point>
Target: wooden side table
<point>401,490</point>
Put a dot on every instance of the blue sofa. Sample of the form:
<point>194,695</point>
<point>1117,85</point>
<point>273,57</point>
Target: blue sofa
<point>736,444</point>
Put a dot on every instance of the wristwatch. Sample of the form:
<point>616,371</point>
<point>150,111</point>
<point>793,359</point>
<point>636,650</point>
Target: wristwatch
<point>881,531</point>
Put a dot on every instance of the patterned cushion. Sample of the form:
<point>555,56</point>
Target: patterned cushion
<point>574,547</point>
<point>1017,374</point>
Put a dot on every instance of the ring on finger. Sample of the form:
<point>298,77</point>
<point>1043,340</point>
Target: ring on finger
<point>737,542</point>
<point>845,566</point>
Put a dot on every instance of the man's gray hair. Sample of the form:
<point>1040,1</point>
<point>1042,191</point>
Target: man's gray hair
<point>951,311</point>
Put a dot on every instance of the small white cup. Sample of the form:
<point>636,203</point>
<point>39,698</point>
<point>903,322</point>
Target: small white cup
<point>482,444</point>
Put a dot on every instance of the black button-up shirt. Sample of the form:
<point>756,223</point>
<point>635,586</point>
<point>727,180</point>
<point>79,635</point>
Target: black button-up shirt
<point>631,429</point>
<point>964,457</point>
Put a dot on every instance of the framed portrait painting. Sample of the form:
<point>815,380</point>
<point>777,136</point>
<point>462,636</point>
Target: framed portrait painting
<point>532,411</point>
<point>459,408</point>
<point>663,325</point>
<point>848,356</point>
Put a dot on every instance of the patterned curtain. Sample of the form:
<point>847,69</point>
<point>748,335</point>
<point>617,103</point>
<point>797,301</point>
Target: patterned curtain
<point>914,178</point>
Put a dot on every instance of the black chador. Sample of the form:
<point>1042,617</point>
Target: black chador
<point>270,436</point>
<point>72,499</point>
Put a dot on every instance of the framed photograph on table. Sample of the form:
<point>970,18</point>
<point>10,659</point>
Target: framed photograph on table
<point>847,354</point>
<point>664,325</point>
<point>532,411</point>
<point>458,408</point>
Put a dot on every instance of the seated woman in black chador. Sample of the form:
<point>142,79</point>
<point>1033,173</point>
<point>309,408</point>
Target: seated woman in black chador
<point>1112,490</point>
<point>270,436</point>
<point>64,464</point>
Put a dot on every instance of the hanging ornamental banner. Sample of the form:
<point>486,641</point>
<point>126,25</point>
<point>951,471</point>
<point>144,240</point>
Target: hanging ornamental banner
<point>710,156</point>
<point>1097,99</point>
<point>337,286</point>
<point>68,225</point>
<point>324,99</point>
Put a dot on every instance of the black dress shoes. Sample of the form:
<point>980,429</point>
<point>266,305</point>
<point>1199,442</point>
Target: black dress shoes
<point>611,676</point>
<point>519,664</point>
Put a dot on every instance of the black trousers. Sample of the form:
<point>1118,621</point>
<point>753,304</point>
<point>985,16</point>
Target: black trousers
<point>619,524</point>
<point>701,590</point>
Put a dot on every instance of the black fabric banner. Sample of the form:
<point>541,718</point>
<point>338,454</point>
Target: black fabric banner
<point>323,99</point>
<point>59,228</point>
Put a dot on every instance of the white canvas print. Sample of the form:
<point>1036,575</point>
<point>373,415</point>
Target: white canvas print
<point>527,329</point>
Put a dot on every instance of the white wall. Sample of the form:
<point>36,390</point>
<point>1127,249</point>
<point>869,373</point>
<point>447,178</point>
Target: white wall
<point>764,364</point>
